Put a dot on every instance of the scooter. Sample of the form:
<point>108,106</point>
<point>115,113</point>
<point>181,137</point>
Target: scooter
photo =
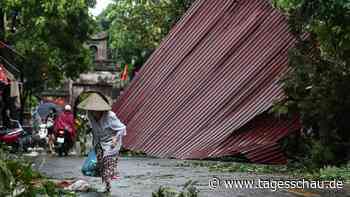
<point>62,142</point>
<point>42,134</point>
<point>17,137</point>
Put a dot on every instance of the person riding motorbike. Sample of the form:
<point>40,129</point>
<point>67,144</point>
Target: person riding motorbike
<point>65,121</point>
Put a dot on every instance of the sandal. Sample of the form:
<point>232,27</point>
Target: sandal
<point>115,177</point>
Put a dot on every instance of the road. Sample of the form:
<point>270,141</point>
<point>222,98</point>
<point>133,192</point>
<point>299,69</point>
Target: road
<point>142,176</point>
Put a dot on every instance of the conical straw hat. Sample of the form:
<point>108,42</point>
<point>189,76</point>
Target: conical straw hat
<point>94,102</point>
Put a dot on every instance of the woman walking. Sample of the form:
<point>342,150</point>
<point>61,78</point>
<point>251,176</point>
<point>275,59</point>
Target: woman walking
<point>107,132</point>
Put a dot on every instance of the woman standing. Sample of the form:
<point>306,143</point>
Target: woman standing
<point>107,132</point>
<point>50,120</point>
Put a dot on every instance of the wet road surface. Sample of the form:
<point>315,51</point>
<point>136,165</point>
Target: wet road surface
<point>142,176</point>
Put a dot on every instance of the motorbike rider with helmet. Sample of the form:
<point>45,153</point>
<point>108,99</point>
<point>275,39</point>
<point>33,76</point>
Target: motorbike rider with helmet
<point>65,121</point>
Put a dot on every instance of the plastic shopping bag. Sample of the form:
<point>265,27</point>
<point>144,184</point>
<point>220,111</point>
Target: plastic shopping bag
<point>90,165</point>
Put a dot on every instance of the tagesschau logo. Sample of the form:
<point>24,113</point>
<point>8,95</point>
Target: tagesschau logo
<point>273,185</point>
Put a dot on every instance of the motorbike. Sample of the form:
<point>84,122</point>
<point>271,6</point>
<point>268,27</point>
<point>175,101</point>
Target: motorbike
<point>62,142</point>
<point>42,133</point>
<point>16,137</point>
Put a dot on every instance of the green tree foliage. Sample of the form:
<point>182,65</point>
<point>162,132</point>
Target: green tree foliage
<point>6,179</point>
<point>17,174</point>
<point>50,35</point>
<point>137,27</point>
<point>318,84</point>
<point>189,190</point>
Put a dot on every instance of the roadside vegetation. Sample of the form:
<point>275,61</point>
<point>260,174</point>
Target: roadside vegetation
<point>317,85</point>
<point>189,190</point>
<point>18,178</point>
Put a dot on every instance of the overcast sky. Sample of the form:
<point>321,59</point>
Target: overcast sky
<point>100,6</point>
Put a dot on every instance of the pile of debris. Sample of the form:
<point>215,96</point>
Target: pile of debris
<point>74,185</point>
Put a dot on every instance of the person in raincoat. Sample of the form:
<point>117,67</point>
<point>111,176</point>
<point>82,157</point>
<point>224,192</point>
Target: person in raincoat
<point>107,131</point>
<point>65,120</point>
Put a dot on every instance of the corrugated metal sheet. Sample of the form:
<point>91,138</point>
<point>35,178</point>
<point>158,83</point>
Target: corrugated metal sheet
<point>214,73</point>
<point>257,140</point>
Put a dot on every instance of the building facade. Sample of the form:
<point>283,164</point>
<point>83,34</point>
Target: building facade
<point>104,77</point>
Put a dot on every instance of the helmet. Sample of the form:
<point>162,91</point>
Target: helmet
<point>67,108</point>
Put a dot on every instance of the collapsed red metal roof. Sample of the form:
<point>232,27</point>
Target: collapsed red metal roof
<point>216,71</point>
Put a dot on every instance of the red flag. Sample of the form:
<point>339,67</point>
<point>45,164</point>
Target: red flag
<point>124,74</point>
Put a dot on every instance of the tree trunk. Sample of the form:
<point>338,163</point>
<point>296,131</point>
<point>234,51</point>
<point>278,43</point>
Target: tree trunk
<point>2,24</point>
<point>325,132</point>
<point>24,97</point>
